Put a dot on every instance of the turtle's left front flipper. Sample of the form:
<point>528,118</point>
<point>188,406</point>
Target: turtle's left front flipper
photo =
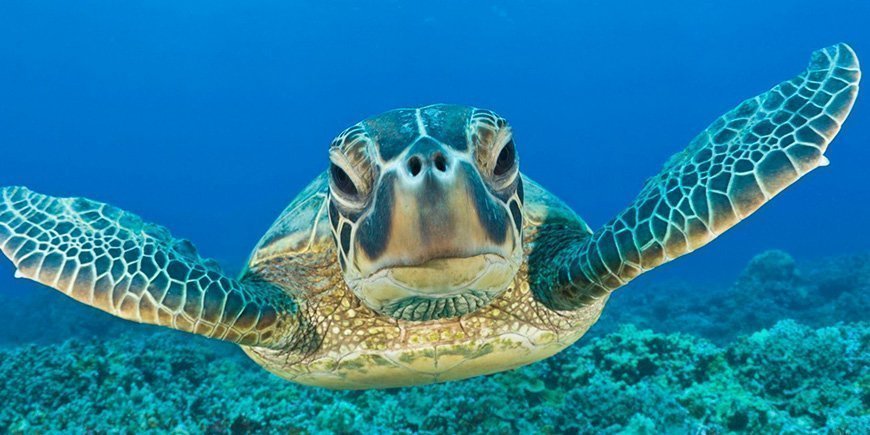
<point>740,162</point>
<point>110,259</point>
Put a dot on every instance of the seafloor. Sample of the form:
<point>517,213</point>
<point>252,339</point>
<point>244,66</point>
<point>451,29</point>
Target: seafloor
<point>676,358</point>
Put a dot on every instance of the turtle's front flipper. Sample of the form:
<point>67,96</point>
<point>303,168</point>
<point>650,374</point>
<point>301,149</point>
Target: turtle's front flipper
<point>740,162</point>
<point>108,258</point>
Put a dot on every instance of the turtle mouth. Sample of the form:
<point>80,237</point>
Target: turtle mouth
<point>443,276</point>
<point>437,287</point>
<point>454,256</point>
<point>442,262</point>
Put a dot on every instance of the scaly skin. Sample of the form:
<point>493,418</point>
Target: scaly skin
<point>110,259</point>
<point>346,345</point>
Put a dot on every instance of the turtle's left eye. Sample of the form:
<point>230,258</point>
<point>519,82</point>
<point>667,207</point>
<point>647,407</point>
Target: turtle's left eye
<point>343,181</point>
<point>506,160</point>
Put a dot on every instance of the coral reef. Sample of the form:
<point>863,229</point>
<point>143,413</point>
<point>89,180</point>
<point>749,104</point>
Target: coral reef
<point>701,362</point>
<point>771,288</point>
<point>790,378</point>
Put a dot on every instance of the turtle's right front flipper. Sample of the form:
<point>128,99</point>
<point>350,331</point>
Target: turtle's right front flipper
<point>740,162</point>
<point>110,259</point>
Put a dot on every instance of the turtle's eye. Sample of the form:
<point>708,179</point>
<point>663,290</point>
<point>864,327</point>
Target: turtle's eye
<point>342,181</point>
<point>506,160</point>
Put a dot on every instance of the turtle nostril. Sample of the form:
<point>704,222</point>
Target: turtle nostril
<point>415,165</point>
<point>440,162</point>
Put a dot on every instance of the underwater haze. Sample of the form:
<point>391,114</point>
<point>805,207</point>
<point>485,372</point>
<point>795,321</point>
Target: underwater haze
<point>208,117</point>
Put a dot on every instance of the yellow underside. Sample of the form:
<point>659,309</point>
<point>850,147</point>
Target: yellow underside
<point>418,365</point>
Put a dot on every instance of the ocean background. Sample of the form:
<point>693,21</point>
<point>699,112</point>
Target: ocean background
<point>208,117</point>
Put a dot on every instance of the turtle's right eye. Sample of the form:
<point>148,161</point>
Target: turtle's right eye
<point>342,181</point>
<point>506,160</point>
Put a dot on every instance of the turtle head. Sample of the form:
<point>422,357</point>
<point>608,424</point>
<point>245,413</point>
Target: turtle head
<point>426,208</point>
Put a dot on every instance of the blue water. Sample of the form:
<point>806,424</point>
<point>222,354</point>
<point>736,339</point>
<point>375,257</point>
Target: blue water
<point>209,116</point>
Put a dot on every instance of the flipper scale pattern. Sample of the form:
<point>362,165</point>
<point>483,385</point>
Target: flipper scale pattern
<point>111,259</point>
<point>727,172</point>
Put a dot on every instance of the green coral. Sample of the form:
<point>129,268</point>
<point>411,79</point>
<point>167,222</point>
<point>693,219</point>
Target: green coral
<point>818,376</point>
<point>790,378</point>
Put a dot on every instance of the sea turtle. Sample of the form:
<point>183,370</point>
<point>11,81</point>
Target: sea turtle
<point>422,254</point>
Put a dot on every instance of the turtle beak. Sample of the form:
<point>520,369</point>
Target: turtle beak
<point>433,211</point>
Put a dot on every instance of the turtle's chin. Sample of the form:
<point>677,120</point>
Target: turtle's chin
<point>436,288</point>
